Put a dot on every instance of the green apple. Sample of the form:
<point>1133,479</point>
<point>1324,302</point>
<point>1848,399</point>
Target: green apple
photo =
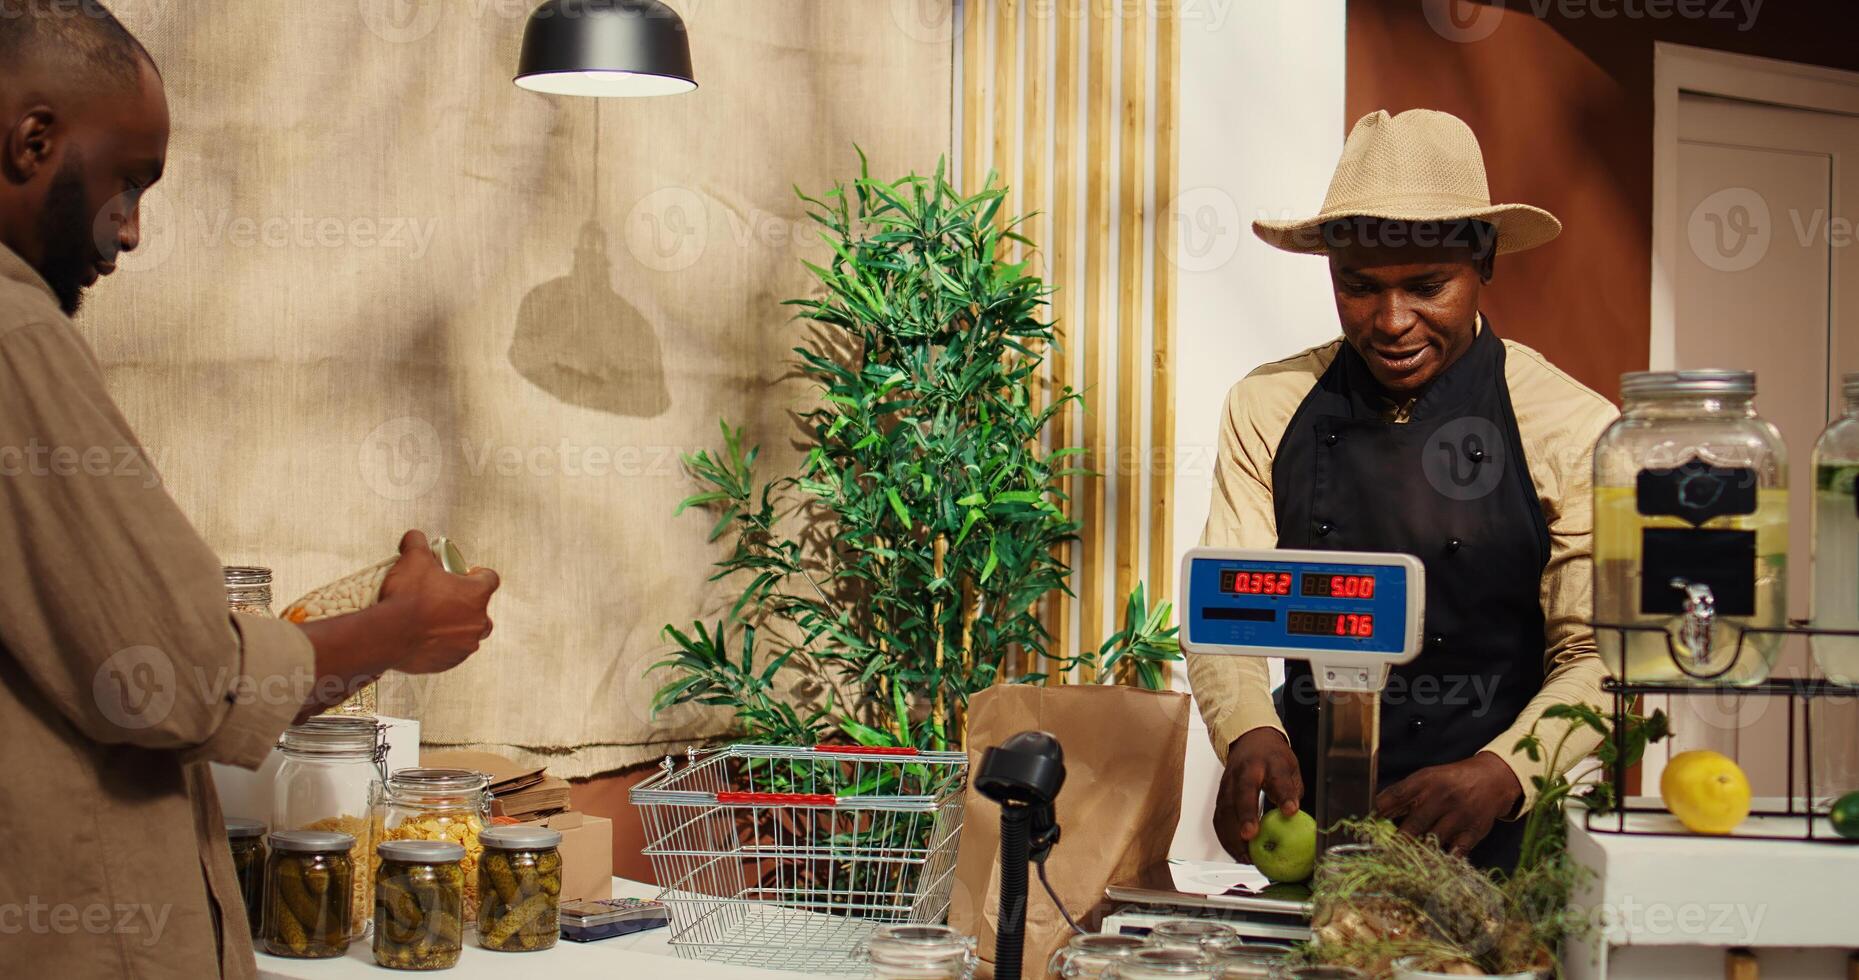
<point>1286,847</point>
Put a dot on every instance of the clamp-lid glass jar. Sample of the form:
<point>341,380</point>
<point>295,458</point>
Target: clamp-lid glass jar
<point>1086,957</point>
<point>419,905</point>
<point>920,952</point>
<point>437,804</point>
<point>1163,963</point>
<point>1690,531</point>
<point>327,781</point>
<point>308,894</point>
<point>519,889</point>
<point>246,837</point>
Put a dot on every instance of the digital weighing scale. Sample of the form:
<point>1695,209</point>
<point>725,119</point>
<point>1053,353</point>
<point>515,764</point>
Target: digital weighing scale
<point>1351,614</point>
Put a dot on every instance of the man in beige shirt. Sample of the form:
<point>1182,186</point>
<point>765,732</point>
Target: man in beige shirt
<point>121,672</point>
<point>1418,432</point>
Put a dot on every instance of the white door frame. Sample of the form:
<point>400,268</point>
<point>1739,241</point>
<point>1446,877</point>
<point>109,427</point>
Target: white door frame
<point>1699,71</point>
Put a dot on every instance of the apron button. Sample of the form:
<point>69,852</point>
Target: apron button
<point>1437,640</point>
<point>1331,439</point>
<point>1453,545</point>
<point>1323,528</point>
<point>1476,455</point>
<point>1415,726</point>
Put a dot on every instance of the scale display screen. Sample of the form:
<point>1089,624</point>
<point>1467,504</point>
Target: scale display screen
<point>1303,604</point>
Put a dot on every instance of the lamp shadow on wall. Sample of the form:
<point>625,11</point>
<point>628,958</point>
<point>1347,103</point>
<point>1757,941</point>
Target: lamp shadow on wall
<point>582,342</point>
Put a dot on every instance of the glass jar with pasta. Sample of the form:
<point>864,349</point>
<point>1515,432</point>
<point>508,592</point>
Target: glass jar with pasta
<point>419,905</point>
<point>328,780</point>
<point>308,894</point>
<point>519,889</point>
<point>437,804</point>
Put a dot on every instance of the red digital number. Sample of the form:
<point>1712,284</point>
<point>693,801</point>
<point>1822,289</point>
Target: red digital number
<point>1352,586</point>
<point>1284,583</point>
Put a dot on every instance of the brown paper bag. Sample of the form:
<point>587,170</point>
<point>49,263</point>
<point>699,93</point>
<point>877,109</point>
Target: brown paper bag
<point>1118,809</point>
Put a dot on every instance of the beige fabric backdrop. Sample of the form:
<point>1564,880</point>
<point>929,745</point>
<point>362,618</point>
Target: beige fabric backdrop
<point>371,298</point>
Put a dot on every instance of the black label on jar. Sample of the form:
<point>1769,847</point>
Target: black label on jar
<point>1723,560</point>
<point>1697,492</point>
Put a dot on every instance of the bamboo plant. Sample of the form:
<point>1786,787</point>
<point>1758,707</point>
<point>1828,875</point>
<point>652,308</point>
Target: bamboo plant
<point>907,560</point>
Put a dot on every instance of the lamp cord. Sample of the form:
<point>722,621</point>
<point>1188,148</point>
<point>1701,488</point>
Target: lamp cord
<point>1055,899</point>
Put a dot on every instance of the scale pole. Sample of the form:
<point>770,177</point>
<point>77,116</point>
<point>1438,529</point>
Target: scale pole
<point>1348,738</point>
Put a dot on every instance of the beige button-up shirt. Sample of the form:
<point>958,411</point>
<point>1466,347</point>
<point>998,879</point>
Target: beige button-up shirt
<point>121,675</point>
<point>1559,421</point>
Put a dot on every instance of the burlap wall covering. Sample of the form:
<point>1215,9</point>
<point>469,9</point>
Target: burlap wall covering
<point>384,288</point>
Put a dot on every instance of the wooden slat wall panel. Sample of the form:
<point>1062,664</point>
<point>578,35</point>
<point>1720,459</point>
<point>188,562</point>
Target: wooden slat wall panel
<point>1093,68</point>
<point>1162,357</point>
<point>1064,250</point>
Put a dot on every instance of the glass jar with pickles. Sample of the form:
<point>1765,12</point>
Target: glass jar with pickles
<point>1690,531</point>
<point>246,837</point>
<point>419,905</point>
<point>308,894</point>
<point>519,889</point>
<point>437,804</point>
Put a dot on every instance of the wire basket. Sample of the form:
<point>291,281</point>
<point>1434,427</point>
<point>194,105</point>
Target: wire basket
<point>788,858</point>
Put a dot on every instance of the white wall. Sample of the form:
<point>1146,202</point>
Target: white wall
<point>1261,127</point>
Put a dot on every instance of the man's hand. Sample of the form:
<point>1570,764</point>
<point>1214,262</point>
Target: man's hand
<point>445,616</point>
<point>1458,802</point>
<point>1259,759</point>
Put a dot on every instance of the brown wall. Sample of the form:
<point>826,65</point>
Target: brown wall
<point>1563,107</point>
<point>607,796</point>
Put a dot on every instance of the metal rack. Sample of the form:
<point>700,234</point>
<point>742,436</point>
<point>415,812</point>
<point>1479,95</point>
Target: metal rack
<point>1798,693</point>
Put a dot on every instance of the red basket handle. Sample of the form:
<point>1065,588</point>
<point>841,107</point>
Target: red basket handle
<point>779,799</point>
<point>867,749</point>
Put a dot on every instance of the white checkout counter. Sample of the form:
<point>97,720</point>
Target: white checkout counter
<point>641,954</point>
<point>1671,907</point>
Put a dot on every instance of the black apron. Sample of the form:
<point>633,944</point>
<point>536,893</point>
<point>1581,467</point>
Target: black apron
<point>1452,488</point>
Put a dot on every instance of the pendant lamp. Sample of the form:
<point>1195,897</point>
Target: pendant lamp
<point>605,48</point>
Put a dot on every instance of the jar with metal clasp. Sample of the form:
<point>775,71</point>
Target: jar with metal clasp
<point>1690,531</point>
<point>327,782</point>
<point>437,804</point>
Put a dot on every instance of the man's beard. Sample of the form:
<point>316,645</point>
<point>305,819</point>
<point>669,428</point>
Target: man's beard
<point>65,228</point>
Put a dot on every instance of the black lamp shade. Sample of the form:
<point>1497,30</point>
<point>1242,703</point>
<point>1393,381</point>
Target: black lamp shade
<point>605,48</point>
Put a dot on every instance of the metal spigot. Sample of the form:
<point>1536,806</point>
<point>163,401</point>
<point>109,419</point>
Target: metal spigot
<point>1695,633</point>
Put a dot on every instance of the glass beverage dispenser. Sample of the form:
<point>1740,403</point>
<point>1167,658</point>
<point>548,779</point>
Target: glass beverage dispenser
<point>1691,531</point>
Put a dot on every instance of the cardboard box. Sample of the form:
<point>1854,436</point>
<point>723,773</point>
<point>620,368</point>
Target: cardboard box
<point>587,854</point>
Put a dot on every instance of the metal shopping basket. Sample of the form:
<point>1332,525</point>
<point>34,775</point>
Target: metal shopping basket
<point>788,858</point>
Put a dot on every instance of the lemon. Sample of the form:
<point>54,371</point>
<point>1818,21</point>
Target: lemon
<point>1705,791</point>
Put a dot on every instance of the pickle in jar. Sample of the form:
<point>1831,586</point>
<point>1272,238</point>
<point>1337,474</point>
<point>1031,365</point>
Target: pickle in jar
<point>419,905</point>
<point>519,889</point>
<point>302,921</point>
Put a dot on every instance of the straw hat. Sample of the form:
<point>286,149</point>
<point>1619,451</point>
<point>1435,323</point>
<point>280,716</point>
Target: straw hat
<point>1421,165</point>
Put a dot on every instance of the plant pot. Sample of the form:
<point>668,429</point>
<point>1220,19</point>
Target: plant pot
<point>1405,969</point>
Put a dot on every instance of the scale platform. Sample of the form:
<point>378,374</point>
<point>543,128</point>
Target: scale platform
<point>1269,921</point>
